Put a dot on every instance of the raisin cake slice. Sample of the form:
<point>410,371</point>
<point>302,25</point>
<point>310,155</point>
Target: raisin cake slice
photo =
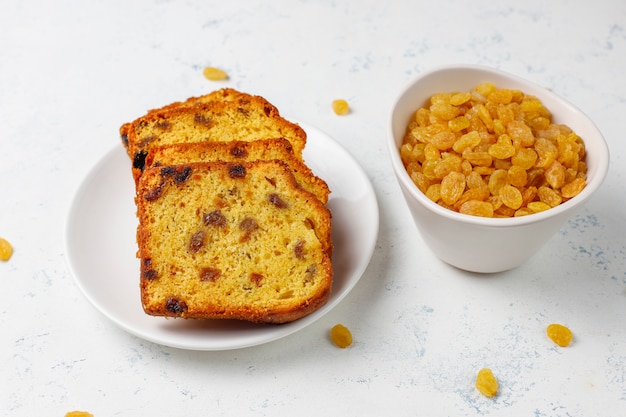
<point>208,122</point>
<point>223,94</point>
<point>232,241</point>
<point>238,151</point>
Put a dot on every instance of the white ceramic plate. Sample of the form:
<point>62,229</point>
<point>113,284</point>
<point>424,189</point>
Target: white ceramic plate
<point>101,247</point>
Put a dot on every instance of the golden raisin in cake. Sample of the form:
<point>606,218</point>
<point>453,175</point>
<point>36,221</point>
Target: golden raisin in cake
<point>224,94</point>
<point>231,240</point>
<point>238,151</point>
<point>210,122</point>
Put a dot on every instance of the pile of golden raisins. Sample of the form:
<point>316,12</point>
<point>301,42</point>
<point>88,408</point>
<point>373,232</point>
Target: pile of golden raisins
<point>493,152</point>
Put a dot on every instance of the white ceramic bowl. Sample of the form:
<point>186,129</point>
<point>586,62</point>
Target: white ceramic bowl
<point>481,244</point>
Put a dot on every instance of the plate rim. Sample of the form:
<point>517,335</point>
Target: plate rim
<point>279,331</point>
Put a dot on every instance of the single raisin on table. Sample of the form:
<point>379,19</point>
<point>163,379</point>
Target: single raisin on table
<point>341,336</point>
<point>78,414</point>
<point>559,334</point>
<point>214,74</point>
<point>341,107</point>
<point>486,383</point>
<point>6,250</point>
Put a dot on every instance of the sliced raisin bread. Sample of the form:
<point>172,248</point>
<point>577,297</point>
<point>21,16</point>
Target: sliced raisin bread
<point>224,94</point>
<point>206,122</point>
<point>231,240</point>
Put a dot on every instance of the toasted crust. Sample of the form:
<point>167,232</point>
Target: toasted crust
<point>232,240</point>
<point>223,94</point>
<point>238,151</point>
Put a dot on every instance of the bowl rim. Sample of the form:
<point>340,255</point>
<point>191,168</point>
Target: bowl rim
<point>602,153</point>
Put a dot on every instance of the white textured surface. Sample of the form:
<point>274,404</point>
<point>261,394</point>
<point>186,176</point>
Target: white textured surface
<point>72,71</point>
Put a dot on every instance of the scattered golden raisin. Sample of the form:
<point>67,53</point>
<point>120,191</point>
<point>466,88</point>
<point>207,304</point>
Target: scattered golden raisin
<point>341,336</point>
<point>341,107</point>
<point>500,141</point>
<point>214,74</point>
<point>78,414</point>
<point>561,335</point>
<point>486,383</point>
<point>6,250</point>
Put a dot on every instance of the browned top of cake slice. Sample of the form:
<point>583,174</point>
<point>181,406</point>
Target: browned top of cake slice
<point>232,240</point>
<point>223,94</point>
